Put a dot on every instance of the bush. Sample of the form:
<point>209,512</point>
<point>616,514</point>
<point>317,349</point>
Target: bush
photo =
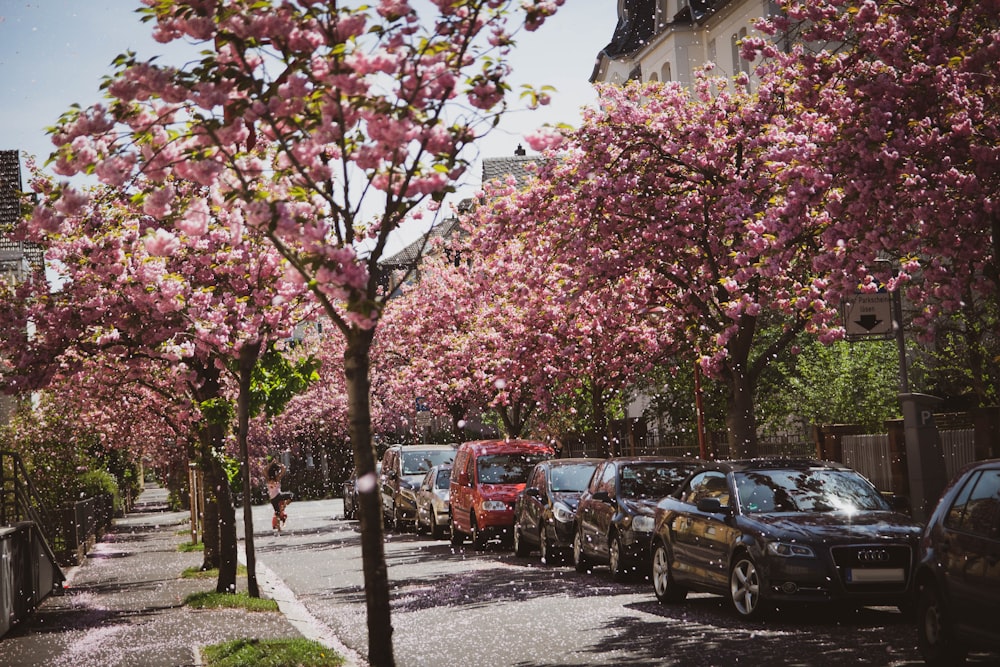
<point>95,482</point>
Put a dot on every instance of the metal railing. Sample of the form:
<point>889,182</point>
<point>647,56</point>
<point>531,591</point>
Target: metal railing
<point>20,499</point>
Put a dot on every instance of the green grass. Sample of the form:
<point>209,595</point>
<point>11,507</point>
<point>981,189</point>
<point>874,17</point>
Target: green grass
<point>187,547</point>
<point>212,573</point>
<point>213,600</point>
<point>270,653</point>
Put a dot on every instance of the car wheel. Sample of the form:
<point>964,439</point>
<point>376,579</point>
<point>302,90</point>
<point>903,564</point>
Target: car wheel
<point>616,560</point>
<point>580,561</point>
<point>545,551</point>
<point>478,536</point>
<point>935,637</point>
<point>521,548</point>
<point>745,589</point>
<point>664,586</point>
<point>420,527</point>
<point>437,532</point>
<point>457,536</point>
<point>397,520</point>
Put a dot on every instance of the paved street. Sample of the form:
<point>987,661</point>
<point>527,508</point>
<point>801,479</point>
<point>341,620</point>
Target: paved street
<point>459,607</point>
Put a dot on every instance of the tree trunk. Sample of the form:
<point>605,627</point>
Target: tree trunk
<point>356,370</point>
<point>741,420</point>
<point>227,528</point>
<point>599,413</point>
<point>248,358</point>
<point>210,520</point>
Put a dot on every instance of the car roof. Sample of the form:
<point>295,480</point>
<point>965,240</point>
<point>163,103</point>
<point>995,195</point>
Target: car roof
<point>775,463</point>
<point>571,461</point>
<point>654,459</point>
<point>419,448</point>
<point>491,446</point>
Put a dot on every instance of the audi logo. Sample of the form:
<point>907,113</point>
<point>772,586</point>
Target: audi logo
<point>873,556</point>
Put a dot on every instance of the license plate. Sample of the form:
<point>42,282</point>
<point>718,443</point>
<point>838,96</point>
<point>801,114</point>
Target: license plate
<point>876,575</point>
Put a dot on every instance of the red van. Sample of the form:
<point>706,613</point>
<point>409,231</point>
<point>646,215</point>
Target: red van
<point>486,477</point>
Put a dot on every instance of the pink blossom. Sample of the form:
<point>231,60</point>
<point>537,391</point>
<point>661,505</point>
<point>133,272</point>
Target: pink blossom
<point>161,243</point>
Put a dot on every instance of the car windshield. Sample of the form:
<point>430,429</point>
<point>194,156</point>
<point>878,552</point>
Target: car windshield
<point>506,468</point>
<point>423,460</point>
<point>443,478</point>
<point>571,478</point>
<point>814,490</point>
<point>652,480</point>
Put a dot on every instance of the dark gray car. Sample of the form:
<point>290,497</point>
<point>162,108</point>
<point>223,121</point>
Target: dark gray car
<point>958,568</point>
<point>545,512</point>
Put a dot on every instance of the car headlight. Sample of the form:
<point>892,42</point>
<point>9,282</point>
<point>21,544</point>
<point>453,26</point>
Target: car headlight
<point>562,513</point>
<point>408,493</point>
<point>790,550</point>
<point>642,524</point>
<point>494,506</point>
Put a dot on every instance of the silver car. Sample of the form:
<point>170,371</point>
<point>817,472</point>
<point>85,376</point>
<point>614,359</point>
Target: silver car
<point>433,511</point>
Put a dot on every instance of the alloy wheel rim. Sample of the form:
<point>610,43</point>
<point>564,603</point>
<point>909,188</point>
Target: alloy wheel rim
<point>745,587</point>
<point>660,571</point>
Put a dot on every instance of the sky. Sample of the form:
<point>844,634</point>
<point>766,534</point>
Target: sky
<point>54,53</point>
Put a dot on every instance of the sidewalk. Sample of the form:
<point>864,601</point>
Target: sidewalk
<point>124,604</point>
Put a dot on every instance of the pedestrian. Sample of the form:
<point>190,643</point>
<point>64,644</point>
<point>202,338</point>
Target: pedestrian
<point>279,498</point>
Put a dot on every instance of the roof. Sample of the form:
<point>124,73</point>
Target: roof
<point>411,254</point>
<point>510,165</point>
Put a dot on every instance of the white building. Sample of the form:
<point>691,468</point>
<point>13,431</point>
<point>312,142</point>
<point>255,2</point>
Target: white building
<point>668,40</point>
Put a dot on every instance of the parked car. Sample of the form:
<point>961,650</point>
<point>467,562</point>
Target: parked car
<point>403,467</point>
<point>763,532</point>
<point>958,568</point>
<point>433,511</point>
<point>350,495</point>
<point>545,512</point>
<point>615,517</point>
<point>485,479</point>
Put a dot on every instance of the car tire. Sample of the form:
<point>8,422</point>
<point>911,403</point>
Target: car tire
<point>478,536</point>
<point>419,525</point>
<point>745,588</point>
<point>664,587</point>
<point>521,548</point>
<point>580,562</point>
<point>935,635</point>
<point>437,532</point>
<point>397,520</point>
<point>616,559</point>
<point>457,536</point>
<point>546,553</point>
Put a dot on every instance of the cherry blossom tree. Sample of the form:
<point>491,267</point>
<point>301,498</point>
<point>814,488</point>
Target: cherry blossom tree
<point>677,191</point>
<point>329,124</point>
<point>904,105</point>
<point>169,298</point>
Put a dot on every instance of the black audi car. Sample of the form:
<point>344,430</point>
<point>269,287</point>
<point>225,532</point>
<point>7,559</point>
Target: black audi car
<point>766,532</point>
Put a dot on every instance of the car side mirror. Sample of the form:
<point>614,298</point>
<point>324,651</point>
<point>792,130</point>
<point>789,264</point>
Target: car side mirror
<point>603,497</point>
<point>712,506</point>
<point>534,493</point>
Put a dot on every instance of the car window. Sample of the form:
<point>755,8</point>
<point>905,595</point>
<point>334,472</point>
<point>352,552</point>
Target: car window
<point>978,511</point>
<point>607,481</point>
<point>571,478</point>
<point>537,479</point>
<point>709,484</point>
<point>651,480</point>
<point>809,490</point>
<point>507,468</point>
<point>443,478</point>
<point>419,461</point>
